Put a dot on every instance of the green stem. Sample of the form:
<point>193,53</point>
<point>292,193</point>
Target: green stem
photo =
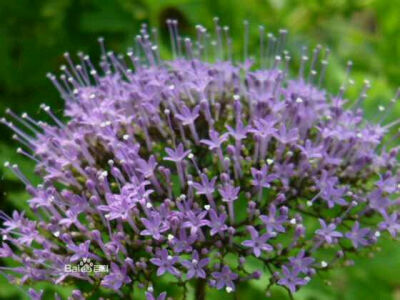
<point>200,292</point>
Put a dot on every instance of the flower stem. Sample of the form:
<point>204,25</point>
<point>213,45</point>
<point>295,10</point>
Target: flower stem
<point>200,292</point>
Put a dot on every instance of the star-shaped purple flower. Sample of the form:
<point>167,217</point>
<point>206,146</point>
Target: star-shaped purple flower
<point>258,243</point>
<point>165,263</point>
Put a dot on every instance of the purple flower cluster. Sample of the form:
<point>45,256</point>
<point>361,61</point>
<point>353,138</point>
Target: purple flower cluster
<point>186,168</point>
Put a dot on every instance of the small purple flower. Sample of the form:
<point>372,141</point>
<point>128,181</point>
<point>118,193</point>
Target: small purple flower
<point>391,224</point>
<point>35,295</point>
<point>328,191</point>
<point>215,140</point>
<point>150,296</point>
<point>15,222</point>
<point>229,193</point>
<point>273,221</point>
<point>120,208</point>
<point>357,235</point>
<point>147,167</point>
<point>177,155</point>
<point>286,136</point>
<point>187,116</point>
<point>290,278</point>
<point>257,242</point>
<point>239,133</point>
<point>327,232</point>
<point>301,262</point>
<point>5,251</point>
<point>263,128</point>
<point>225,278</point>
<point>206,187</point>
<point>217,223</point>
<point>195,221</point>
<point>261,178</point>
<point>154,226</point>
<point>311,151</point>
<point>81,251</point>
<point>71,216</point>
<point>117,277</point>
<point>183,243</point>
<point>165,263</point>
<point>387,183</point>
<point>378,201</point>
<point>195,266</point>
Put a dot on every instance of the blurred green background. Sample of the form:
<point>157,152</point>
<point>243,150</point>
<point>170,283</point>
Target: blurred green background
<point>35,33</point>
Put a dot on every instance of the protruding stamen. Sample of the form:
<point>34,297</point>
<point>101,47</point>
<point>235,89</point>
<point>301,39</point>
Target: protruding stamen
<point>218,34</point>
<point>246,40</point>
<point>324,64</point>
<point>73,68</point>
<point>346,79</point>
<point>363,95</point>
<point>60,89</point>
<point>21,120</point>
<point>177,37</point>
<point>228,40</point>
<point>47,109</point>
<point>303,61</point>
<point>262,34</point>
<point>282,40</point>
<point>314,60</point>
<point>102,47</point>
<point>393,101</point>
<point>271,46</point>
<point>23,152</point>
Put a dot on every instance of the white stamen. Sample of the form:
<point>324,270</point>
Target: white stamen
<point>299,100</point>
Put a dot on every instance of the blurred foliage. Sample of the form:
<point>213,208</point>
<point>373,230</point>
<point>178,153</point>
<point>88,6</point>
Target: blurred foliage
<point>35,33</point>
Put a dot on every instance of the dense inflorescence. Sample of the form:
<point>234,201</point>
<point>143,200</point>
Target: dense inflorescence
<point>209,170</point>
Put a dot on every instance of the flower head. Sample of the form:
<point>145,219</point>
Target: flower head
<point>175,166</point>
